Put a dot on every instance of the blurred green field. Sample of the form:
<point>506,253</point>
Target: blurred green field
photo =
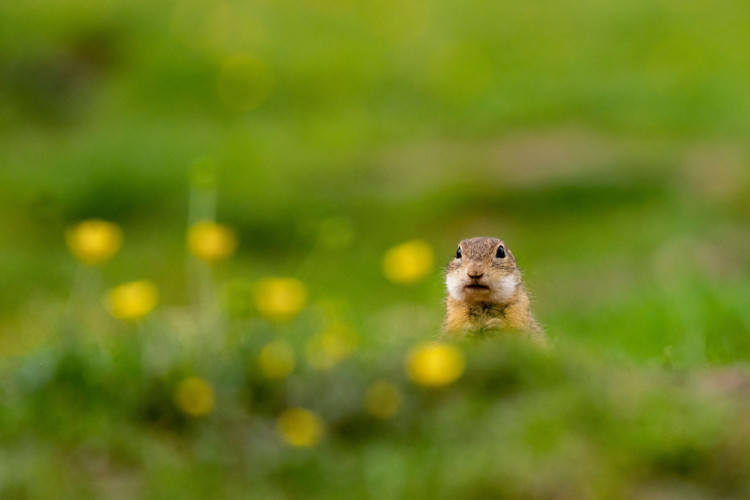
<point>606,143</point>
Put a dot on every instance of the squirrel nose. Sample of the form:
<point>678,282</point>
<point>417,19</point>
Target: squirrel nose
<point>475,272</point>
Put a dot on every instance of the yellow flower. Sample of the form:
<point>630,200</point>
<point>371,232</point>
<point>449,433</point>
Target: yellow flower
<point>132,301</point>
<point>299,427</point>
<point>277,359</point>
<point>325,350</point>
<point>195,396</point>
<point>435,364</point>
<point>94,241</point>
<point>211,242</point>
<point>382,399</point>
<point>408,262</point>
<point>280,299</point>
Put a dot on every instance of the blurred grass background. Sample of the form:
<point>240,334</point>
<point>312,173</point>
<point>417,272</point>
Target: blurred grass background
<point>605,142</point>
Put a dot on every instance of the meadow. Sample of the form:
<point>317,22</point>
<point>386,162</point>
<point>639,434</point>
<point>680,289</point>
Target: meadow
<point>223,227</point>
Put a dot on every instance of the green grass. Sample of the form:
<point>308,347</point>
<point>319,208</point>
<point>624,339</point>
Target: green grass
<point>605,142</point>
<point>519,422</point>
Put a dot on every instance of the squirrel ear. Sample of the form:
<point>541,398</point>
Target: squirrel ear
<point>458,253</point>
<point>500,254</point>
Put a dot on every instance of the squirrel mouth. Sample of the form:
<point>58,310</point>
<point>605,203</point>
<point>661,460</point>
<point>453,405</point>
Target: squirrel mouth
<point>477,286</point>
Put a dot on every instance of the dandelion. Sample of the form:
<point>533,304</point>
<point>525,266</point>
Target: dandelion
<point>211,242</point>
<point>435,364</point>
<point>408,262</point>
<point>299,427</point>
<point>195,396</point>
<point>327,349</point>
<point>132,301</point>
<point>382,399</point>
<point>94,241</point>
<point>277,360</point>
<point>280,299</point>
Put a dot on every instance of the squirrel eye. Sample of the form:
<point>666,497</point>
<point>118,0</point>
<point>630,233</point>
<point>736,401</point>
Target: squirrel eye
<point>458,253</point>
<point>500,254</point>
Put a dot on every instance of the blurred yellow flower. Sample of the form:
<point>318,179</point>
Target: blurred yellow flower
<point>94,241</point>
<point>382,399</point>
<point>277,360</point>
<point>280,299</point>
<point>408,262</point>
<point>132,301</point>
<point>299,427</point>
<point>325,350</point>
<point>435,364</point>
<point>195,396</point>
<point>211,242</point>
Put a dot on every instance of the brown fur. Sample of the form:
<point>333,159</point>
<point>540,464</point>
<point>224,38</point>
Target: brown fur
<point>486,294</point>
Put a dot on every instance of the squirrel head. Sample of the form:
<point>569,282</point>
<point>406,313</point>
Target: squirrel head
<point>483,270</point>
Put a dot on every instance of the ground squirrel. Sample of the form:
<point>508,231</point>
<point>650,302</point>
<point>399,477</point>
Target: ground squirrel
<point>485,292</point>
